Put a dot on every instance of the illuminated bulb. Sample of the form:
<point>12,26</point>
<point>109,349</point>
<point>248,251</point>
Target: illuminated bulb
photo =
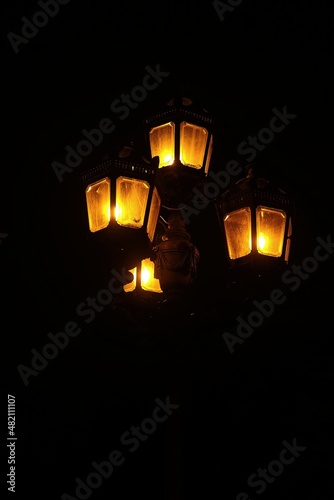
<point>148,281</point>
<point>145,276</point>
<point>167,159</point>
<point>118,212</point>
<point>261,242</point>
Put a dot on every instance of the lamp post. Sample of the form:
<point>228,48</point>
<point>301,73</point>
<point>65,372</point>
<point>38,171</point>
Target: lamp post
<point>180,135</point>
<point>171,267</point>
<point>125,198</point>
<point>175,258</point>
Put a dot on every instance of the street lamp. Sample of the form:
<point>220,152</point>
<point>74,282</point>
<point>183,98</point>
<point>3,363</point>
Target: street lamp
<point>255,218</point>
<point>123,202</point>
<point>143,278</point>
<point>128,195</point>
<point>180,134</point>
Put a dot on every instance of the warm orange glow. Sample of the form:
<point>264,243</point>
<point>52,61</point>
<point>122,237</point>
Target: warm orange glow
<point>288,241</point>
<point>262,243</point>
<point>98,204</point>
<point>117,212</point>
<point>131,201</point>
<point>270,225</point>
<point>130,287</point>
<point>148,281</point>
<point>208,158</point>
<point>162,141</point>
<point>192,145</point>
<point>154,214</point>
<point>238,232</point>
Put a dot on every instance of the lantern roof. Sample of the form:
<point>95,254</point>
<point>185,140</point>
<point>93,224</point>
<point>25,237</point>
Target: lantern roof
<point>253,189</point>
<point>180,108</point>
<point>127,160</point>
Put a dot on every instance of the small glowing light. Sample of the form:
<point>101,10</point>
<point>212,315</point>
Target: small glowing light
<point>118,212</point>
<point>167,159</point>
<point>148,281</point>
<point>261,242</point>
<point>130,287</point>
<point>145,276</point>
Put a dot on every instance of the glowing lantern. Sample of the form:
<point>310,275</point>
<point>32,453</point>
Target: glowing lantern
<point>144,278</point>
<point>256,219</point>
<point>181,136</point>
<point>122,199</point>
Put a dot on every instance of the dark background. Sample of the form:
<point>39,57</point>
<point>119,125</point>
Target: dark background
<point>235,410</point>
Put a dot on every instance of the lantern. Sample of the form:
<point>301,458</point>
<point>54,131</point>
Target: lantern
<point>143,278</point>
<point>181,136</point>
<point>122,200</point>
<point>255,217</point>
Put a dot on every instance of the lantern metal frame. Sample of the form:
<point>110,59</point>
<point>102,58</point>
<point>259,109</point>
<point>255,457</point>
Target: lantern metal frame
<point>177,180</point>
<point>134,241</point>
<point>253,192</point>
<point>137,285</point>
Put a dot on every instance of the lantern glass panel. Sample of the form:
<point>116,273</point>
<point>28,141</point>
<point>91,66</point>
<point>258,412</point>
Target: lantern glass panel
<point>208,158</point>
<point>162,142</point>
<point>193,141</point>
<point>154,214</point>
<point>270,227</point>
<point>98,204</point>
<point>131,201</point>
<point>238,232</point>
<point>148,281</point>
<point>288,241</point>
<point>130,287</point>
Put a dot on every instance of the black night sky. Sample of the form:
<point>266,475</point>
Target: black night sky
<point>231,415</point>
